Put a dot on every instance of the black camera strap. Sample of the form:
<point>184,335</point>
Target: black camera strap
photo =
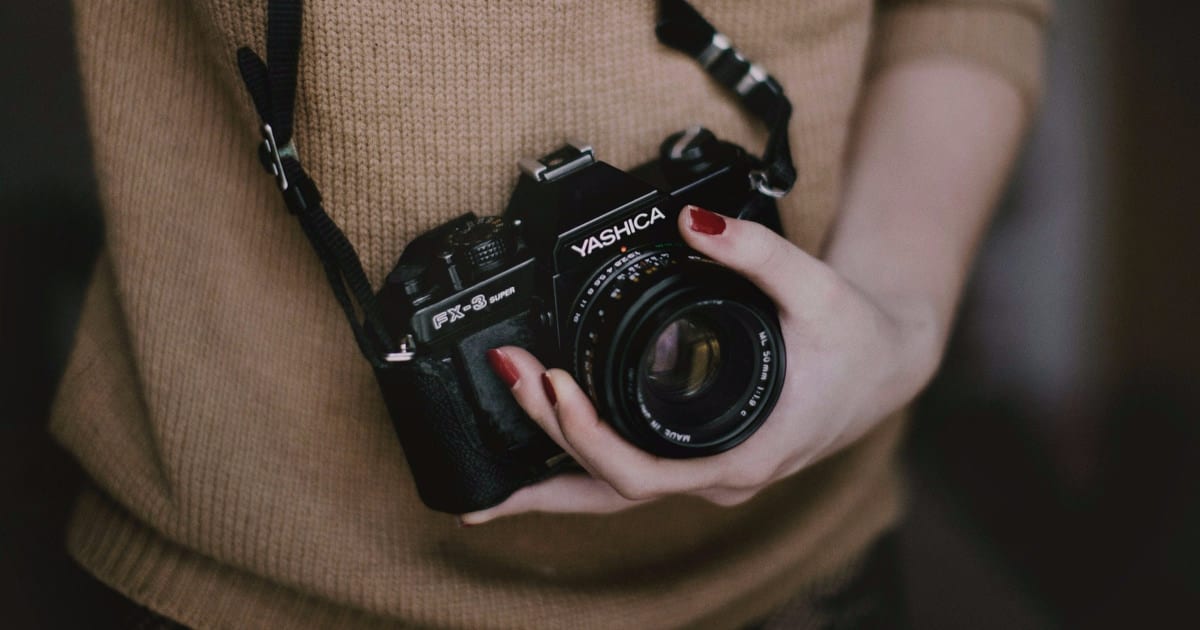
<point>272,87</point>
<point>683,28</point>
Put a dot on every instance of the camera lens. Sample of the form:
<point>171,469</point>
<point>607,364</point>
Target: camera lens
<point>682,361</point>
<point>698,369</point>
<point>680,354</point>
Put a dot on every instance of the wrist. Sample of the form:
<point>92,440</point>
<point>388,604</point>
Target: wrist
<point>918,328</point>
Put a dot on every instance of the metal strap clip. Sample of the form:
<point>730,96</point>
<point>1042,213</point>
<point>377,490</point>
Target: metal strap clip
<point>274,155</point>
<point>406,352</point>
<point>759,182</point>
<point>716,47</point>
<point>729,67</point>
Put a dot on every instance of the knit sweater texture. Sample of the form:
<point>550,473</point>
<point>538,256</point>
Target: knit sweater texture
<point>243,470</point>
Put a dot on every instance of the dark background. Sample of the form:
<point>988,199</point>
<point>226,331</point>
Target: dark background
<point>1055,462</point>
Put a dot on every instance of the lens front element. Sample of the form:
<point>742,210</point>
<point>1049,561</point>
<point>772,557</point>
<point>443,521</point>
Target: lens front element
<point>683,361</point>
<point>682,356</point>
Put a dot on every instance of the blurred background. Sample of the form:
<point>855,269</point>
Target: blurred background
<point>1055,461</point>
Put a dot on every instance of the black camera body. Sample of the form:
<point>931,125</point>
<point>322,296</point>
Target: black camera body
<point>587,270</point>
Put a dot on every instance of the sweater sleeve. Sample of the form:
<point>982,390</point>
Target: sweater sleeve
<point>1005,36</point>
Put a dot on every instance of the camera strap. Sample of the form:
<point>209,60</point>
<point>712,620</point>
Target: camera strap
<point>681,27</point>
<point>272,87</point>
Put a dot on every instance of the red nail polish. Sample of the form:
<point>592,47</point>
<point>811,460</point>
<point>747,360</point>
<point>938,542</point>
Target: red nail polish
<point>706,222</point>
<point>549,387</point>
<point>503,367</point>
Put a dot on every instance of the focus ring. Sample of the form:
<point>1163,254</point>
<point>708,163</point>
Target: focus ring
<point>614,318</point>
<point>609,291</point>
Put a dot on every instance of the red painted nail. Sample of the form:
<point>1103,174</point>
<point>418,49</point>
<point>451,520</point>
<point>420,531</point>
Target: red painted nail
<point>706,222</point>
<point>549,387</point>
<point>503,367</point>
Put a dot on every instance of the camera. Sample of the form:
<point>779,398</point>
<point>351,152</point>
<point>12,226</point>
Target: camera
<point>587,270</point>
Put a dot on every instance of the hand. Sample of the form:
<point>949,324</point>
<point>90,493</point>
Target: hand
<point>852,359</point>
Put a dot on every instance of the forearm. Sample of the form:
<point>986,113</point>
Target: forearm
<point>933,144</point>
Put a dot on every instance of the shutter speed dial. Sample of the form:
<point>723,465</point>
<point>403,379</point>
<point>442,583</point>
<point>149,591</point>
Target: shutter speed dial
<point>483,245</point>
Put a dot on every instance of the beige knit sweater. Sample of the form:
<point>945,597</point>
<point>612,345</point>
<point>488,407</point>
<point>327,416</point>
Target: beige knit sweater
<point>244,471</point>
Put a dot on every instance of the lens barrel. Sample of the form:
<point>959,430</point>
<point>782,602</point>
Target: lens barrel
<point>680,354</point>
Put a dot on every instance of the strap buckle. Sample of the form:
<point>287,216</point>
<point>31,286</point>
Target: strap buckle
<point>759,181</point>
<point>715,48</point>
<point>729,67</point>
<point>272,156</point>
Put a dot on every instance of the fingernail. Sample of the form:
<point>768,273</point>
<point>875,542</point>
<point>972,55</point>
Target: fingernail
<point>705,222</point>
<point>461,522</point>
<point>549,387</point>
<point>503,367</point>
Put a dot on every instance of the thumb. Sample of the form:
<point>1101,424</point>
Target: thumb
<point>788,275</point>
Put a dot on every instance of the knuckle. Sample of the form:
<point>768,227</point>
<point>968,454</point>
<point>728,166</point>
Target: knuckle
<point>794,464</point>
<point>761,248</point>
<point>731,499</point>
<point>540,418</point>
<point>577,426</point>
<point>753,475</point>
<point>634,493</point>
<point>632,489</point>
<point>745,497</point>
<point>726,500</point>
<point>543,416</point>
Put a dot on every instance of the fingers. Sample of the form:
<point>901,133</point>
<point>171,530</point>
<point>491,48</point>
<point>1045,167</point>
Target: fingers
<point>580,494</point>
<point>727,498</point>
<point>573,494</point>
<point>522,372</point>
<point>556,403</point>
<point>788,275</point>
<point>632,472</point>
